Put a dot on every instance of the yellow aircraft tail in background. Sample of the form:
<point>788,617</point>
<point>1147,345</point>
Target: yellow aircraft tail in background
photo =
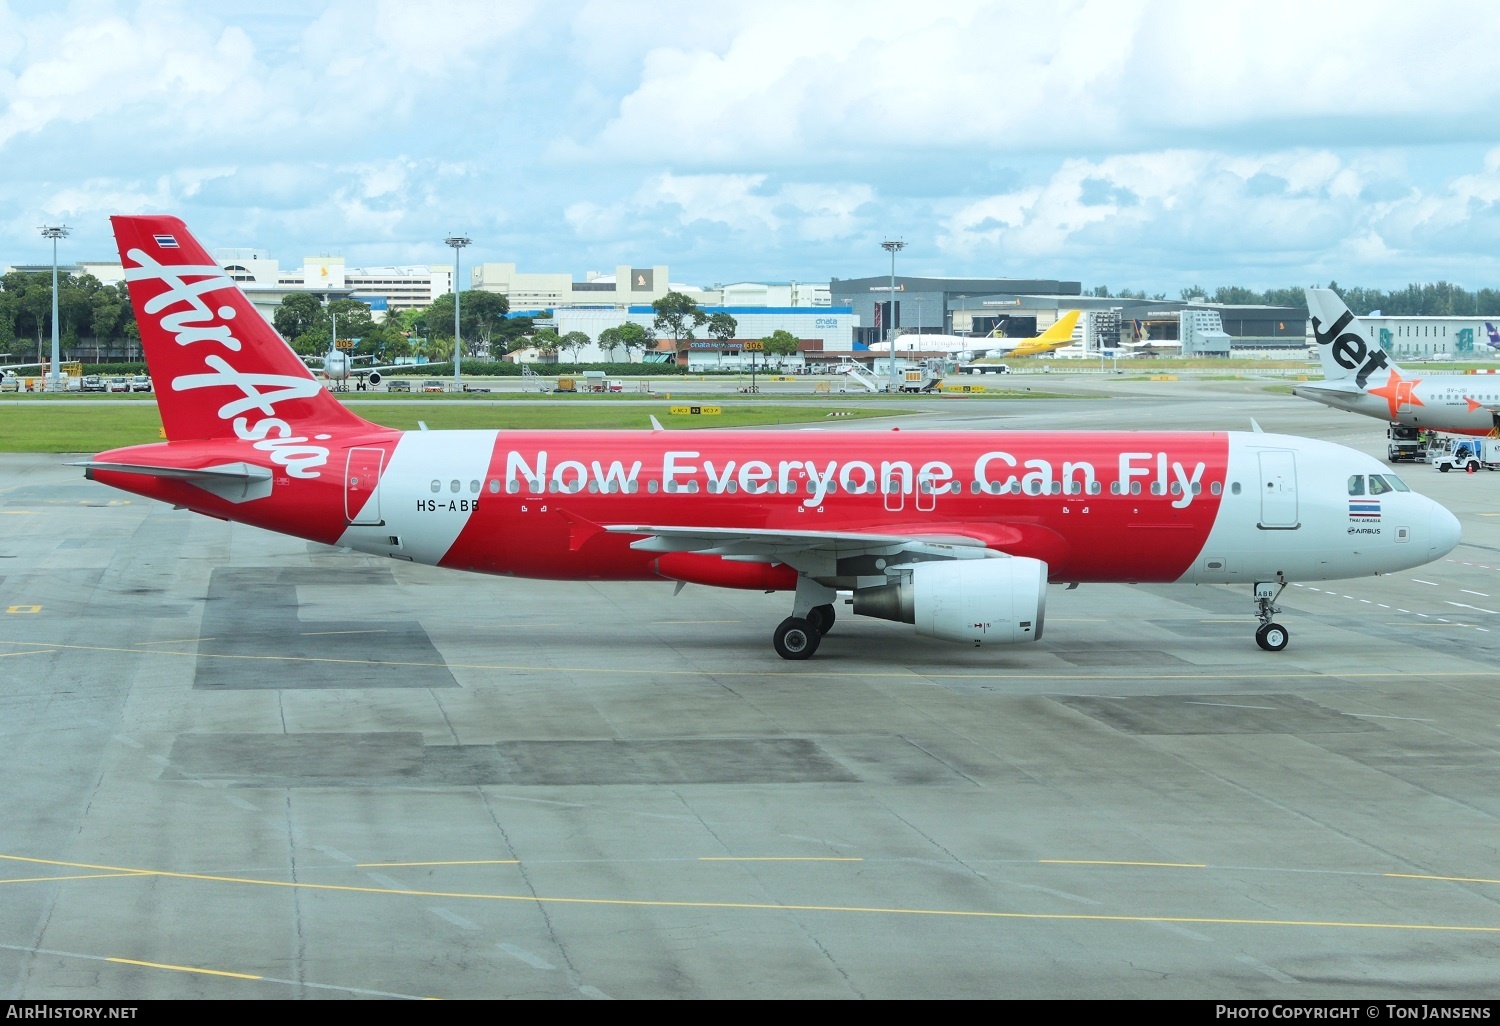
<point>1055,337</point>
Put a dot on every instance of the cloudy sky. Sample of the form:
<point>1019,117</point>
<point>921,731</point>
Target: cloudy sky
<point>1142,144</point>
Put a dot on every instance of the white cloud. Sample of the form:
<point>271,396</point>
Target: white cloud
<point>743,205</point>
<point>1088,139</point>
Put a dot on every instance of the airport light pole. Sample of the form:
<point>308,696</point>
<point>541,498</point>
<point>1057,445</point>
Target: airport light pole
<point>892,246</point>
<point>458,242</point>
<point>55,232</point>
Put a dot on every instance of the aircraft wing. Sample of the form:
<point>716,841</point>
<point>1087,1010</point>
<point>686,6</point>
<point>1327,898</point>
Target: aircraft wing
<point>818,553</point>
<point>411,367</point>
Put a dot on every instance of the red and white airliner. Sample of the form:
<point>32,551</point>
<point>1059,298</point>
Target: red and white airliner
<point>958,533</point>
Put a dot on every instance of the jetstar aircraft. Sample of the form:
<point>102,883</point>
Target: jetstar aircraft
<point>956,532</point>
<point>1360,377</point>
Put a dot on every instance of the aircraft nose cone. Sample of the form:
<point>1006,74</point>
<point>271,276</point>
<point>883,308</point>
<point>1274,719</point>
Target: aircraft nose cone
<point>1443,531</point>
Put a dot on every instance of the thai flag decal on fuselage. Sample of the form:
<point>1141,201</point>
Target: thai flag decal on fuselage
<point>166,241</point>
<point>1364,509</point>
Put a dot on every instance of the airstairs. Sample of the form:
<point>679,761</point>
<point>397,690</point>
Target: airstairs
<point>854,369</point>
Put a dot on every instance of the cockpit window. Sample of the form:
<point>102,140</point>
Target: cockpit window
<point>1357,484</point>
<point>1391,480</point>
<point>1378,485</point>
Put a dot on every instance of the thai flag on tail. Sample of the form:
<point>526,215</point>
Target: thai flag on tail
<point>166,241</point>
<point>1364,509</point>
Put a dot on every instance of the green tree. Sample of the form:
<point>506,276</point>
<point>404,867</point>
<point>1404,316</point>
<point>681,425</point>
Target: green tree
<point>678,315</point>
<point>574,340</point>
<point>780,343</point>
<point>722,326</point>
<point>297,313</point>
<point>546,342</point>
<point>627,336</point>
<point>512,333</point>
<point>31,296</point>
<point>482,317</point>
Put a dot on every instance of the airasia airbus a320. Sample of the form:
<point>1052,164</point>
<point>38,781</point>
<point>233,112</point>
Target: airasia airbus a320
<point>958,533</point>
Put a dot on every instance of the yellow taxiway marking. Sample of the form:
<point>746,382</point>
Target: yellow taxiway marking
<point>1446,879</point>
<point>23,609</point>
<point>470,862</point>
<point>776,858</point>
<point>799,672</point>
<point>185,968</point>
<point>762,906</point>
<point>80,876</point>
<point>34,651</point>
<point>1111,862</point>
<point>20,512</point>
<point>175,641</point>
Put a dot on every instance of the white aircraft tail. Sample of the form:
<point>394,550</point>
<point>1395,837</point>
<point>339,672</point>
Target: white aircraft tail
<point>1346,348</point>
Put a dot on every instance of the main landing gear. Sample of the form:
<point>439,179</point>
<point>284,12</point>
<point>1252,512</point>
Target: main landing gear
<point>797,636</point>
<point>1269,635</point>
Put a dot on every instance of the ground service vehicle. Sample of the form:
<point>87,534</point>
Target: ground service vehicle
<point>1406,444</point>
<point>140,383</point>
<point>119,384</point>
<point>92,383</point>
<point>398,386</point>
<point>1466,454</point>
<point>432,385</point>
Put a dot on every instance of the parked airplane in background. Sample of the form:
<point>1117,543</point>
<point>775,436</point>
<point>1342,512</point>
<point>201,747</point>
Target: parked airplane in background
<point>1152,347</point>
<point>337,367</point>
<point>961,347</point>
<point>1360,377</point>
<point>9,369</point>
<point>956,532</point>
<point>1494,342</point>
<point>965,347</point>
<point>1060,334</point>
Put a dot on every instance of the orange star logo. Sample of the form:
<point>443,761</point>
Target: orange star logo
<point>1474,404</point>
<point>1398,392</point>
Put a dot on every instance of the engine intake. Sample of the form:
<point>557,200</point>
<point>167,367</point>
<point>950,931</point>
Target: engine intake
<point>1000,601</point>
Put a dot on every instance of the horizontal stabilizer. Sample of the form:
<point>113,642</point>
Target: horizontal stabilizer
<point>233,482</point>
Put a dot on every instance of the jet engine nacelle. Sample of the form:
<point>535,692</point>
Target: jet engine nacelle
<point>374,377</point>
<point>1000,601</point>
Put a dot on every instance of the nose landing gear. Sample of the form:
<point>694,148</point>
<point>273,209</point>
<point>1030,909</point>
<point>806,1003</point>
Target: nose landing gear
<point>1269,635</point>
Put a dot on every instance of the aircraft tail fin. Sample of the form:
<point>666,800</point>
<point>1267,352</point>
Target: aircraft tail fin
<point>1346,348</point>
<point>1061,331</point>
<point>219,367</point>
<point>1494,335</point>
